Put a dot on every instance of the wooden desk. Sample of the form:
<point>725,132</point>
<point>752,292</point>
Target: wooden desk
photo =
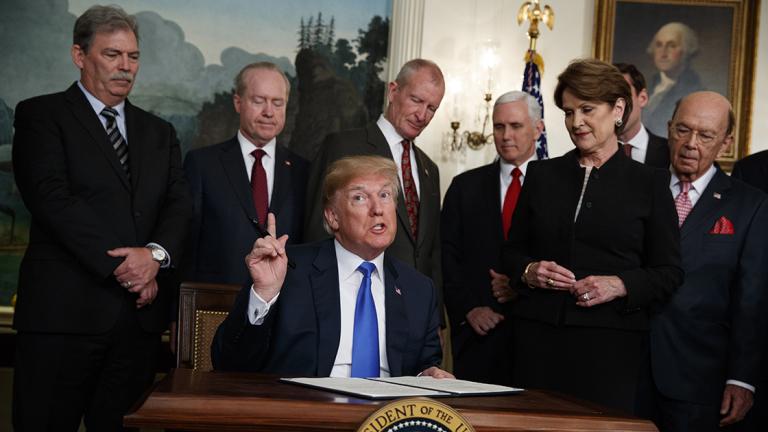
<point>197,401</point>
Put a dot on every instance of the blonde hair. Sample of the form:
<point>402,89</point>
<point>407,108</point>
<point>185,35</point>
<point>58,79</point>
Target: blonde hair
<point>341,172</point>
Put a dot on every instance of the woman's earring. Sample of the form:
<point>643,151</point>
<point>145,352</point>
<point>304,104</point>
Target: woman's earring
<point>618,123</point>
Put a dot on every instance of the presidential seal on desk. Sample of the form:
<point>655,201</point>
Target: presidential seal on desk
<point>415,415</point>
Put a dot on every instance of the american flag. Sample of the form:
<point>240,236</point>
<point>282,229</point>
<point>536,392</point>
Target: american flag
<point>532,86</point>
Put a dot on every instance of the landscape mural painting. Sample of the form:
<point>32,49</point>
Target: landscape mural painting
<point>333,51</point>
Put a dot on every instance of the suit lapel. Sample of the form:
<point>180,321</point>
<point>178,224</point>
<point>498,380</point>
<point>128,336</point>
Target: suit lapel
<point>325,289</point>
<point>83,111</point>
<point>707,204</point>
<point>281,189</point>
<point>491,187</point>
<point>231,159</point>
<point>425,190</point>
<point>136,152</point>
<point>396,318</point>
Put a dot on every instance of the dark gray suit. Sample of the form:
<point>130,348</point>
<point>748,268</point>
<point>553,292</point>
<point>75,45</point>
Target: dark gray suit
<point>223,228</point>
<point>422,253</point>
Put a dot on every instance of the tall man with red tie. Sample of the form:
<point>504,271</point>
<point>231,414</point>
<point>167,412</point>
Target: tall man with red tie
<point>236,183</point>
<point>477,213</point>
<point>706,343</point>
<point>413,98</point>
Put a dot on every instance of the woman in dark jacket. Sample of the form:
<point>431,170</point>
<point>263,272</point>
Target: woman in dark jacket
<point>594,245</point>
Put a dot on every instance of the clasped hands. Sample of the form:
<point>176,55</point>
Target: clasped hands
<point>590,291</point>
<point>137,273</point>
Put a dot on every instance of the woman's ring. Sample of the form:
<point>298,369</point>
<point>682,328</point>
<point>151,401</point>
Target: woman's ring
<point>550,282</point>
<point>127,284</point>
<point>586,296</point>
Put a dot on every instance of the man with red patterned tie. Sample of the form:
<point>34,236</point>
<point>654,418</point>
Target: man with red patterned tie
<point>413,98</point>
<point>706,343</point>
<point>477,213</point>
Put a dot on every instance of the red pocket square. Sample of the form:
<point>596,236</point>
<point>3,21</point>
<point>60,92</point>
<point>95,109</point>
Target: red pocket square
<point>722,226</point>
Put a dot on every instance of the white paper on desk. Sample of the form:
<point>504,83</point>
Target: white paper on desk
<point>452,386</point>
<point>367,388</point>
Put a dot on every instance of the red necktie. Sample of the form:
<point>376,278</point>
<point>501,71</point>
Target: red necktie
<point>683,203</point>
<point>510,200</point>
<point>627,150</point>
<point>409,190</point>
<point>259,187</point>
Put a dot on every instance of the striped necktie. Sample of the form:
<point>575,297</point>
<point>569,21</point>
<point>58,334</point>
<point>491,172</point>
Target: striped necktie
<point>116,139</point>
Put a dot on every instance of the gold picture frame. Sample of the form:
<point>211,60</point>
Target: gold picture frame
<point>726,32</point>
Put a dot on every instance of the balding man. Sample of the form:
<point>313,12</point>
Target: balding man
<point>672,49</point>
<point>705,344</point>
<point>413,99</point>
<point>477,213</point>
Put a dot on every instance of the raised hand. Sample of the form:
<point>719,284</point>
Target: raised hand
<point>267,262</point>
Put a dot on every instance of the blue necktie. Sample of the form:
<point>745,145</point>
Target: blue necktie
<point>365,339</point>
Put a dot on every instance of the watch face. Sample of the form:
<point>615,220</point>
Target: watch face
<point>158,255</point>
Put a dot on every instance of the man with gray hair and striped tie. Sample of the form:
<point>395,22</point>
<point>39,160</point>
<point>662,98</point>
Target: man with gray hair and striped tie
<point>103,182</point>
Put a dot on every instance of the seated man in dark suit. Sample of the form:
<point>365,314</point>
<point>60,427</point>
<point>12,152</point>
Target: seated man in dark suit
<point>640,143</point>
<point>344,308</point>
<point>706,344</point>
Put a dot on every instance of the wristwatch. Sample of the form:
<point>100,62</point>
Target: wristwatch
<point>158,254</point>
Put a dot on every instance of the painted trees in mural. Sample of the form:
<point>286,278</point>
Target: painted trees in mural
<point>338,84</point>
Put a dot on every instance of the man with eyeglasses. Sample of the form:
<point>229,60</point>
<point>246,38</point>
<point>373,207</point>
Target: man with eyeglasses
<point>706,342</point>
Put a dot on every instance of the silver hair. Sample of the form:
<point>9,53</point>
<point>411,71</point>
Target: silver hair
<point>102,19</point>
<point>534,109</point>
<point>687,36</point>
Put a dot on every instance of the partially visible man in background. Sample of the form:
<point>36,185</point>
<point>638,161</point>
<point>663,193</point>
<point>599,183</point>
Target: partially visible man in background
<point>640,144</point>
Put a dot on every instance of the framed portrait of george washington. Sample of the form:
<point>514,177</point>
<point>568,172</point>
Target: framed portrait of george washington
<point>683,46</point>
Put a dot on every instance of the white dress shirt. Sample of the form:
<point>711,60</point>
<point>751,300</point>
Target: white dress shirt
<point>639,144</point>
<point>267,161</point>
<point>395,142</point>
<point>349,285</point>
<point>697,188</point>
<point>98,106</point>
<point>505,175</point>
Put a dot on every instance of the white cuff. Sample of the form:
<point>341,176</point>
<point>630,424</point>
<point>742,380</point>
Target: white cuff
<point>741,384</point>
<point>258,308</point>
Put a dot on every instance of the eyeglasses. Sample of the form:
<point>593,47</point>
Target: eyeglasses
<point>683,132</point>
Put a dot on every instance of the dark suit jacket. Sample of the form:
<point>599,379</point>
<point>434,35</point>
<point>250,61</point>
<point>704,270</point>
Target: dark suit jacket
<point>627,227</point>
<point>300,335</point>
<point>753,170</point>
<point>472,236</point>
<point>422,253</point>
<point>82,204</point>
<point>657,153</point>
<point>715,324</point>
<point>223,226</point>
